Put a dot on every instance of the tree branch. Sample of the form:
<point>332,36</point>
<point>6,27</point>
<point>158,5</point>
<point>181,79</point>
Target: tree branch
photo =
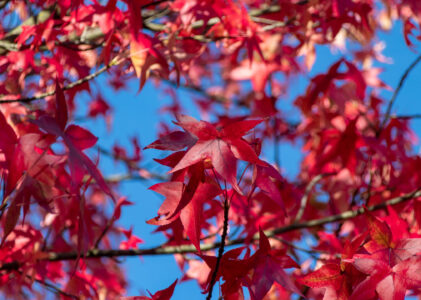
<point>166,250</point>
<point>54,289</point>
<point>396,93</point>
<point>304,199</point>
<point>66,87</point>
<point>95,33</point>
<point>116,178</point>
<point>221,247</point>
<point>406,117</point>
<point>3,3</point>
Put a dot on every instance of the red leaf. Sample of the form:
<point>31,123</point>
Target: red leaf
<point>12,215</point>
<point>80,138</point>
<point>201,129</point>
<point>61,107</point>
<point>238,129</point>
<point>145,57</point>
<point>165,294</point>
<point>389,283</point>
<point>327,275</point>
<point>192,214</point>
<point>221,147</point>
<point>172,191</point>
<point>379,231</point>
<point>269,269</point>
<point>174,141</point>
<point>117,209</point>
<point>408,273</point>
<point>406,248</point>
<point>8,137</point>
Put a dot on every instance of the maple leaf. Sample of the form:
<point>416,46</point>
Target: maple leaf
<point>211,45</point>
<point>26,188</point>
<point>384,246</point>
<point>388,282</point>
<point>76,140</point>
<point>266,178</point>
<point>269,268</point>
<point>164,294</point>
<point>329,276</point>
<point>188,208</point>
<point>132,240</point>
<point>8,138</point>
<point>343,145</point>
<point>257,72</point>
<point>98,107</point>
<point>174,141</point>
<point>321,84</point>
<point>221,145</point>
<point>338,276</point>
<point>257,272</point>
<point>30,176</point>
<point>145,57</point>
<point>233,270</point>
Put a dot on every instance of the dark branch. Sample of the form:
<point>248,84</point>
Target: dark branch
<point>396,93</point>
<point>166,250</point>
<point>221,247</point>
<point>55,289</point>
<point>66,87</point>
<point>304,199</point>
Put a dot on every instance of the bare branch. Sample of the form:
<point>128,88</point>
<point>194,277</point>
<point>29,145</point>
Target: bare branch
<point>3,3</point>
<point>304,199</point>
<point>41,17</point>
<point>94,33</point>
<point>166,250</point>
<point>406,117</point>
<point>66,87</point>
<point>116,178</point>
<point>221,247</point>
<point>54,289</point>
<point>396,93</point>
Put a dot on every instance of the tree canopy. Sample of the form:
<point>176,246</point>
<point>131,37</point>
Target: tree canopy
<point>346,227</point>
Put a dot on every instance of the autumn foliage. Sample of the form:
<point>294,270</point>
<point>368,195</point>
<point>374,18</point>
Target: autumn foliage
<point>347,227</point>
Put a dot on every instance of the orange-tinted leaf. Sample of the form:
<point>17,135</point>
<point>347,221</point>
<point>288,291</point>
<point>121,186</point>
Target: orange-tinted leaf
<point>327,275</point>
<point>379,231</point>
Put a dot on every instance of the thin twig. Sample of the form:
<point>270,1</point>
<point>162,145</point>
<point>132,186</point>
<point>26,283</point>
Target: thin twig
<point>93,34</point>
<point>127,161</point>
<point>166,250</point>
<point>116,178</point>
<point>7,44</point>
<point>396,93</point>
<point>3,3</point>
<point>311,252</point>
<point>66,87</point>
<point>197,89</point>
<point>406,117</point>
<point>51,287</point>
<point>56,290</point>
<point>221,247</point>
<point>304,199</point>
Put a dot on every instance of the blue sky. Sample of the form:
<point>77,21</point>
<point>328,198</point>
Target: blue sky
<point>137,115</point>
